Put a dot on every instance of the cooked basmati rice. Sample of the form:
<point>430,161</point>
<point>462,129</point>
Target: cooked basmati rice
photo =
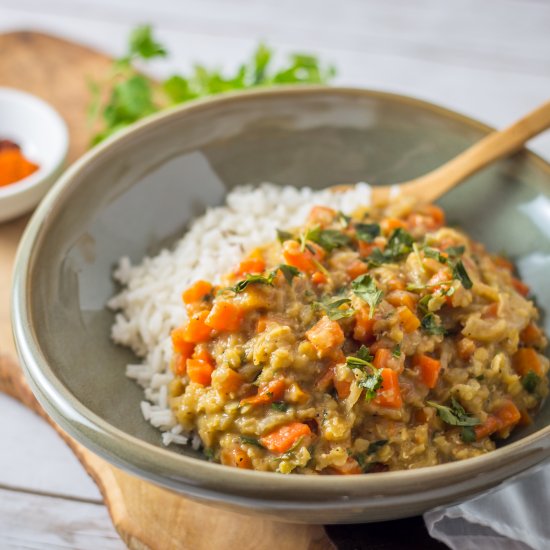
<point>149,306</point>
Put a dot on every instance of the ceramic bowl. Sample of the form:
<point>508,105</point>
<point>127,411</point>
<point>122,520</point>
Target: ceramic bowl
<point>137,192</point>
<point>43,137</point>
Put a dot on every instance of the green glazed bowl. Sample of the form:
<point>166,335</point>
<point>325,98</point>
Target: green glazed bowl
<point>137,192</point>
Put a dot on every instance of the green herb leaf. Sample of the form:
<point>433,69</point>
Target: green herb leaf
<point>329,239</point>
<point>363,358</point>
<point>365,288</point>
<point>460,273</point>
<point>283,236</point>
<point>468,434</point>
<point>376,445</point>
<point>251,441</point>
<point>370,383</point>
<point>431,325</point>
<point>250,279</point>
<point>343,219</point>
<point>279,406</point>
<point>399,244</point>
<point>367,231</point>
<point>396,351</point>
<point>455,251</point>
<point>143,45</point>
<point>455,415</point>
<point>208,453</point>
<point>422,305</point>
<point>334,310</point>
<point>289,271</point>
<point>530,381</point>
<point>435,254</point>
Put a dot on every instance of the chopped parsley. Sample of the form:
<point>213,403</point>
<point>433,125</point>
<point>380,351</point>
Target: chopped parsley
<point>365,287</point>
<point>468,434</point>
<point>530,381</point>
<point>372,378</point>
<point>343,219</point>
<point>455,251</point>
<point>399,245</point>
<point>435,254</point>
<point>367,231</point>
<point>396,351</point>
<point>376,445</point>
<point>460,273</point>
<point>279,406</point>
<point>283,236</point>
<point>289,272</point>
<point>430,324</point>
<point>328,239</point>
<point>361,359</point>
<point>250,441</point>
<point>455,415</point>
<point>334,310</point>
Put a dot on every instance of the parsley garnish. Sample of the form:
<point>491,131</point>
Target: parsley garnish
<point>343,219</point>
<point>455,415</point>
<point>430,325</point>
<point>530,381</point>
<point>460,273</point>
<point>361,359</point>
<point>367,231</point>
<point>455,251</point>
<point>279,406</point>
<point>289,272</point>
<point>334,310</point>
<point>283,236</point>
<point>468,434</point>
<point>365,287</point>
<point>372,378</point>
<point>399,245</point>
<point>435,254</point>
<point>251,441</point>
<point>396,351</point>
<point>329,239</point>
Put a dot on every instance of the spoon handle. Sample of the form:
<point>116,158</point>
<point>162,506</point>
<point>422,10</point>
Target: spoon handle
<point>492,147</point>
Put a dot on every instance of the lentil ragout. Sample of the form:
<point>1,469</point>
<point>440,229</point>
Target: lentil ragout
<point>381,341</point>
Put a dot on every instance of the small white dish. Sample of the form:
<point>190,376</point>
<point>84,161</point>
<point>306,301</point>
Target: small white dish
<point>44,139</point>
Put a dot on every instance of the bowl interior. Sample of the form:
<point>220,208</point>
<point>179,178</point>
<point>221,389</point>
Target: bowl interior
<point>139,193</point>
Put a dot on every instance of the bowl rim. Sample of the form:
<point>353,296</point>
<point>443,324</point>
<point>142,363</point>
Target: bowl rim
<point>42,174</point>
<point>116,445</point>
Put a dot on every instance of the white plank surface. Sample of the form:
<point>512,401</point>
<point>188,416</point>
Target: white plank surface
<point>488,59</point>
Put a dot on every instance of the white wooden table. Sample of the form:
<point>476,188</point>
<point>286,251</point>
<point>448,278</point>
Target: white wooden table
<point>489,59</point>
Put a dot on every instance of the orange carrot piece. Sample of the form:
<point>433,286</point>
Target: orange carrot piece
<point>283,438</point>
<point>319,278</point>
<point>326,336</point>
<point>364,326</point>
<point>490,311</point>
<point>525,360</point>
<point>225,316</point>
<point>389,225</point>
<point>428,367</point>
<point>179,343</point>
<point>530,335</point>
<point>402,298</point>
<point>273,391</point>
<point>235,457</point>
<point>196,330</point>
<point>199,371</point>
<point>408,319</point>
<point>389,393</point>
<point>179,364</point>
<point>381,358</point>
<point>500,261</point>
<point>396,284</point>
<point>435,215</point>
<point>366,249</point>
<point>250,265</point>
<point>304,260</point>
<point>506,416</point>
<point>326,379</point>
<point>443,276</point>
<point>490,426</point>
<point>342,387</point>
<point>261,324</point>
<point>356,268</point>
<point>196,292</point>
<point>520,287</point>
<point>321,215</point>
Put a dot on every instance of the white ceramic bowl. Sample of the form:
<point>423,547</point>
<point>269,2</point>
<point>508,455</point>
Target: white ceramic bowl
<point>43,137</point>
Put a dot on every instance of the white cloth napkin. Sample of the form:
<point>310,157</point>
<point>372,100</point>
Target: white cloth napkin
<point>513,516</point>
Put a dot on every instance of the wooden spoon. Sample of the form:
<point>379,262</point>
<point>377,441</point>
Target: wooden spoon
<point>496,145</point>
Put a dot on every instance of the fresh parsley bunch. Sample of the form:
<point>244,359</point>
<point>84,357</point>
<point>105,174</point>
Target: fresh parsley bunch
<point>130,96</point>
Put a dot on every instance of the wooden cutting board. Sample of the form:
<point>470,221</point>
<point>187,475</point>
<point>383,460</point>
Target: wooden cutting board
<point>145,516</point>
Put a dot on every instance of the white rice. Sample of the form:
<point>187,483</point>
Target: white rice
<point>150,306</point>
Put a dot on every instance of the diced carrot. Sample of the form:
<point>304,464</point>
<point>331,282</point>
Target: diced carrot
<point>196,292</point>
<point>525,360</point>
<point>435,215</point>
<point>196,330</point>
<point>402,298</point>
<point>443,276</point>
<point>179,343</point>
<point>225,316</point>
<point>381,358</point>
<point>283,438</point>
<point>235,457</point>
<point>178,364</point>
<point>389,394</point>
<point>319,278</point>
<point>321,215</point>
<point>342,387</point>
<point>490,311</point>
<point>250,265</point>
<point>501,261</point>
<point>230,381</point>
<point>366,249</point>
<point>531,335</point>
<point>356,268</point>
<point>304,260</point>
<point>350,467</point>
<point>199,371</point>
<point>388,225</point>
<point>326,379</point>
<point>364,326</point>
<point>408,319</point>
<point>520,287</point>
<point>261,324</point>
<point>396,284</point>
<point>428,367</point>
<point>506,416</point>
<point>326,336</point>
<point>273,391</point>
<point>201,352</point>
